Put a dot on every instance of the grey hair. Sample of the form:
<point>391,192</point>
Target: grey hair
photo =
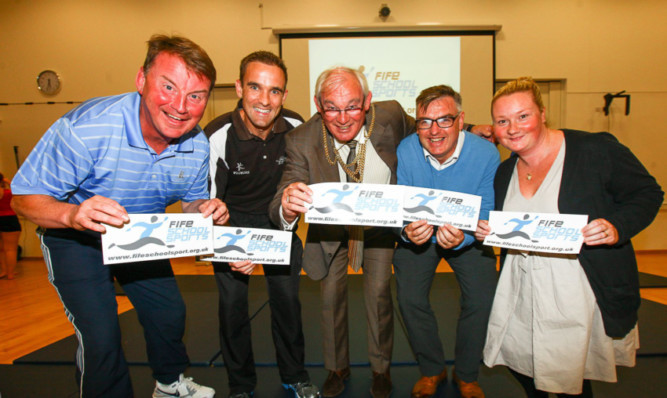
<point>333,76</point>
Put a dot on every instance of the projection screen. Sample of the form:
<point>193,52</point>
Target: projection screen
<point>397,65</point>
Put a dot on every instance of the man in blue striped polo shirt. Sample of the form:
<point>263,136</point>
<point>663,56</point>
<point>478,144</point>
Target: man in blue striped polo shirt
<point>131,153</point>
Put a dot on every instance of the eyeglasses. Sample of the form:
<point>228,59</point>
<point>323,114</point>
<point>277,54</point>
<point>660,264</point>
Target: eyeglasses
<point>442,122</point>
<point>334,112</point>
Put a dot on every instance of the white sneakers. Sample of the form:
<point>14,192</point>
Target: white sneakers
<point>183,388</point>
<point>303,389</point>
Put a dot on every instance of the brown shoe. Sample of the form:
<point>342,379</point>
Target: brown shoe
<point>469,390</point>
<point>335,382</point>
<point>381,387</point>
<point>427,385</point>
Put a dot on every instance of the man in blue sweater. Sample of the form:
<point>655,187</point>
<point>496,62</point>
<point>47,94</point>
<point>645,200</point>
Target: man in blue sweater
<point>441,155</point>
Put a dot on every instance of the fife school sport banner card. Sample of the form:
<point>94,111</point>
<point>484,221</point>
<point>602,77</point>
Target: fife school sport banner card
<point>157,236</point>
<point>440,207</point>
<point>261,246</point>
<point>379,205</point>
<point>538,232</point>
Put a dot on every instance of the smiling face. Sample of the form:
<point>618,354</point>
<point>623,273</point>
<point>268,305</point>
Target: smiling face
<point>440,142</point>
<point>173,100</point>
<point>262,94</point>
<point>343,91</point>
<point>518,123</point>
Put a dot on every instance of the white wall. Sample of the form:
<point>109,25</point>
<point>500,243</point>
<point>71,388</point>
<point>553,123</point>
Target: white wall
<point>597,46</point>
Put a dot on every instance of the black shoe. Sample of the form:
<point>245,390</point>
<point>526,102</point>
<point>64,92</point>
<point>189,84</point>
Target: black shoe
<point>335,382</point>
<point>381,387</point>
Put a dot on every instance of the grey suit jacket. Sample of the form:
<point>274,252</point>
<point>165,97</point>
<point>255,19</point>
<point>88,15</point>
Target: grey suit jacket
<point>307,163</point>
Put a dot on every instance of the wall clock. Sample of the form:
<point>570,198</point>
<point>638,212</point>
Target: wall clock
<point>48,82</point>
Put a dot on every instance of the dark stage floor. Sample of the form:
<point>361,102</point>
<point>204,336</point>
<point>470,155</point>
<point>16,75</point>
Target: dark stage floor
<point>49,372</point>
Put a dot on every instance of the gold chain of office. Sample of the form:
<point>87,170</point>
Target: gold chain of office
<point>355,169</point>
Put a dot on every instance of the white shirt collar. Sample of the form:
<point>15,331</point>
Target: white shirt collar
<point>451,160</point>
<point>360,138</point>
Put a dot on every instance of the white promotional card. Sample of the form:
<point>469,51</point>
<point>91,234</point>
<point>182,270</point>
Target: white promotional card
<point>440,207</point>
<point>356,204</point>
<point>261,246</point>
<point>158,236</point>
<point>539,232</point>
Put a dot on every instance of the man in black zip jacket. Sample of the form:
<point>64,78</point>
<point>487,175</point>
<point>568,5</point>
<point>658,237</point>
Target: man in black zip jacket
<point>247,161</point>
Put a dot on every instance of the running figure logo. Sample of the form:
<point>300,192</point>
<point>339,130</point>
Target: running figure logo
<point>231,242</point>
<point>145,238</point>
<point>516,231</point>
<point>337,202</point>
<point>423,204</point>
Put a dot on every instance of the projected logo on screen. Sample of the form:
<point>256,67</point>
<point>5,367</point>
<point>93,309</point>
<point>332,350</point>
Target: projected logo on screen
<point>389,84</point>
<point>388,63</point>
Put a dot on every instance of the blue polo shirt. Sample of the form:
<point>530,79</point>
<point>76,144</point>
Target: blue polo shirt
<point>98,149</point>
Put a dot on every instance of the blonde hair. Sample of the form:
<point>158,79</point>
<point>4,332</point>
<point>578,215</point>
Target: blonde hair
<point>519,85</point>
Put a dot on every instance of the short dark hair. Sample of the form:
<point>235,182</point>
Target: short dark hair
<point>264,57</point>
<point>431,94</point>
<point>190,52</point>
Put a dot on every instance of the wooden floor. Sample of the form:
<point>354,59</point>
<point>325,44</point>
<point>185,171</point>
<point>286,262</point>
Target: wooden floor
<point>32,316</point>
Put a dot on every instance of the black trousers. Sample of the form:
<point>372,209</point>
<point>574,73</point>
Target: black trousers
<point>286,326</point>
<point>85,286</point>
<point>475,270</point>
